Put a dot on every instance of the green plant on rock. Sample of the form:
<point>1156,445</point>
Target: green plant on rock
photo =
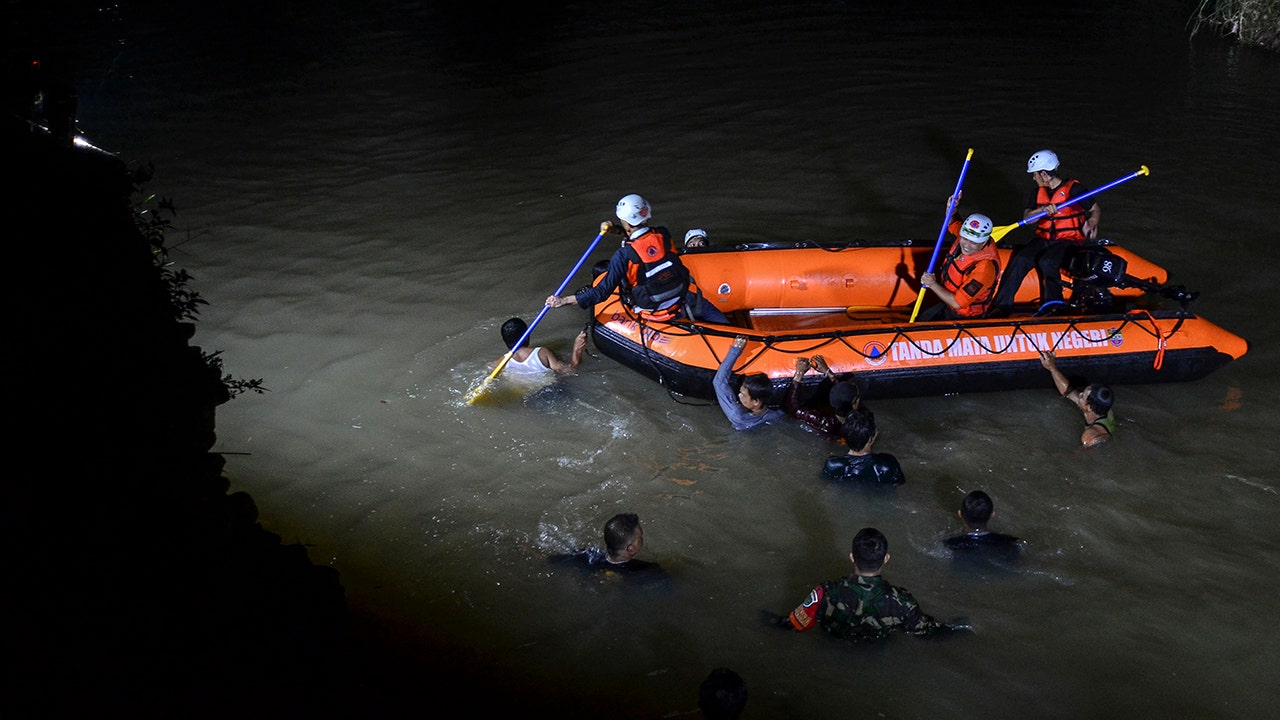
<point>185,303</point>
<point>234,385</point>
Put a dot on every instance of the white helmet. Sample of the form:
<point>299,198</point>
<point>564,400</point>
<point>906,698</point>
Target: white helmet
<point>1043,160</point>
<point>633,210</point>
<point>976,228</point>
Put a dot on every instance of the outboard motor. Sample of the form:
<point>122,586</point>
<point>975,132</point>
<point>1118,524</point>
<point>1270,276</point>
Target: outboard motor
<point>1094,271</point>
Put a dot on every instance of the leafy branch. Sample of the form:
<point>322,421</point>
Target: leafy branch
<point>153,224</point>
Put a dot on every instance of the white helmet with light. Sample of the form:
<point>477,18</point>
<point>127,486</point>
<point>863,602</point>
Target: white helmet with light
<point>633,210</point>
<point>976,228</point>
<point>1043,160</point>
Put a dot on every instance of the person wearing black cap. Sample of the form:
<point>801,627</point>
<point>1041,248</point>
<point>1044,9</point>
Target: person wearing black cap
<point>841,397</point>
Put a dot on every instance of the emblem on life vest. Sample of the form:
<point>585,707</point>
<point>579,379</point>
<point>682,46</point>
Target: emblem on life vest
<point>1117,338</point>
<point>724,289</point>
<point>651,251</point>
<point>874,351</point>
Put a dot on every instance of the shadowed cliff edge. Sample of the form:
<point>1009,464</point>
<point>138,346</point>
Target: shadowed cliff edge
<point>137,583</point>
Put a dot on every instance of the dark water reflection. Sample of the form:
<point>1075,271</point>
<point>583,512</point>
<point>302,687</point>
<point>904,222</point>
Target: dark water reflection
<point>369,193</point>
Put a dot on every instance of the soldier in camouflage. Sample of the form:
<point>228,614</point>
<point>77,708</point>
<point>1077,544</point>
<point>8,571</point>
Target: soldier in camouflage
<point>863,606</point>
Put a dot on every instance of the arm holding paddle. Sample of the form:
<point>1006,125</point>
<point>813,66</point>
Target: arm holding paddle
<point>1003,230</point>
<point>929,281</point>
<point>617,268</point>
<point>1090,226</point>
<point>942,233</point>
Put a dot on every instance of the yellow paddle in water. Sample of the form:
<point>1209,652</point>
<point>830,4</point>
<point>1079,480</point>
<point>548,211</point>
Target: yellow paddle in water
<point>479,390</point>
<point>942,234</point>
<point>997,233</point>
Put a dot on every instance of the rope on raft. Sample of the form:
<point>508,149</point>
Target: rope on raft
<point>822,340</point>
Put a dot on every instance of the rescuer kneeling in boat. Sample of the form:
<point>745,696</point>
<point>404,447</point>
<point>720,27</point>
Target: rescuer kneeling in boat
<point>968,274</point>
<point>647,272</point>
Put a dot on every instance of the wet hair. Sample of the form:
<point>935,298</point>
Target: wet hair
<point>976,509</point>
<point>859,428</point>
<point>512,331</point>
<point>844,397</point>
<point>722,695</point>
<point>619,531</point>
<point>1100,399</point>
<point>870,547</point>
<point>759,386</point>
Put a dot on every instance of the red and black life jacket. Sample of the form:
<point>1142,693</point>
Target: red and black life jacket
<point>953,273</point>
<point>1066,223</point>
<point>656,279</point>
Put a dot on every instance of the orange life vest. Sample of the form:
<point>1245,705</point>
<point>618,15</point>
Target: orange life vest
<point>656,279</point>
<point>1066,223</point>
<point>955,278</point>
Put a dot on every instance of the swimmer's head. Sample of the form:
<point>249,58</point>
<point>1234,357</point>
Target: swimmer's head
<point>843,397</point>
<point>759,387</point>
<point>1099,398</point>
<point>512,331</point>
<point>976,509</point>
<point>859,428</point>
<point>623,536</point>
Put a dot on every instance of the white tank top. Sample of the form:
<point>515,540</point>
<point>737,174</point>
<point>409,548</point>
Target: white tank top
<point>531,366</point>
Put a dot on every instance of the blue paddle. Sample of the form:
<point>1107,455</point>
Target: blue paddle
<point>997,233</point>
<point>942,234</point>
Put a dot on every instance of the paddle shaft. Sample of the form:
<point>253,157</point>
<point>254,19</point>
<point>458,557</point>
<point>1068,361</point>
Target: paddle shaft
<point>942,233</point>
<point>1003,230</point>
<point>541,314</point>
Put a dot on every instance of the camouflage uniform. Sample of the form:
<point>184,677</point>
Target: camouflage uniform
<point>863,608</point>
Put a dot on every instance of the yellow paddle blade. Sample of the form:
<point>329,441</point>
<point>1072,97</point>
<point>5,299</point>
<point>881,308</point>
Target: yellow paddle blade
<point>479,390</point>
<point>999,232</point>
<point>919,301</point>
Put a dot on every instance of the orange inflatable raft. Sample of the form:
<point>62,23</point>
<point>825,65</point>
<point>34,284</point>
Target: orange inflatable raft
<point>852,304</point>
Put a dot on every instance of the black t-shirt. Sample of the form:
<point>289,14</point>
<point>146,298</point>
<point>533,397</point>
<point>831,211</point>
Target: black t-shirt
<point>985,545</point>
<point>597,559</point>
<point>871,469</point>
<point>596,571</point>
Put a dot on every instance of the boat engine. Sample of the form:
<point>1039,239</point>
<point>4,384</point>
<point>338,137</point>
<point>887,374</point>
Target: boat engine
<point>1094,271</point>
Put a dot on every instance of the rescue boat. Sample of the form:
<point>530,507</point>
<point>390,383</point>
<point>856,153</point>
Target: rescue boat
<point>853,302</point>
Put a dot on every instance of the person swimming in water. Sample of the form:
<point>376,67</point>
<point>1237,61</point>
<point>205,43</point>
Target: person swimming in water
<point>975,512</point>
<point>1094,400</point>
<point>535,361</point>
<point>623,539</point>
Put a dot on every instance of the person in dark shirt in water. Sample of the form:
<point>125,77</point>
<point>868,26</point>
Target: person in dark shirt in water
<point>860,464</point>
<point>976,511</point>
<point>841,397</point>
<point>623,538</point>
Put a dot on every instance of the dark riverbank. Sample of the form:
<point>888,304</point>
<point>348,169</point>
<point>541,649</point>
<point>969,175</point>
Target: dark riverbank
<point>137,582</point>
